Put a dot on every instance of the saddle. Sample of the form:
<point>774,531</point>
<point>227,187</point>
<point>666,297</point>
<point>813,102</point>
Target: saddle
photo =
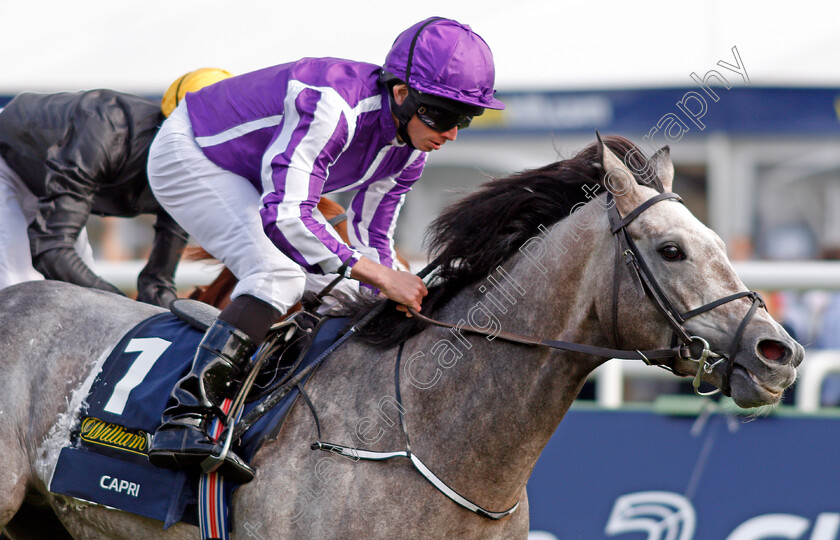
<point>106,460</point>
<point>286,344</point>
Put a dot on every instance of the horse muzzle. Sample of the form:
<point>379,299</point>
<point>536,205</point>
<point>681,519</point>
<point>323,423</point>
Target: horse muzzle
<point>762,371</point>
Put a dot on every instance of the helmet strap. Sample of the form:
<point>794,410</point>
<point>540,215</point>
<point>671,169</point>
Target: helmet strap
<point>404,113</point>
<point>409,107</point>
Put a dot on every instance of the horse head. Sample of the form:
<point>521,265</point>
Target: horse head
<point>751,357</point>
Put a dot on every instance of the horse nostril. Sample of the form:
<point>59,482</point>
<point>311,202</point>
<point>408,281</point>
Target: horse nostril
<point>773,350</point>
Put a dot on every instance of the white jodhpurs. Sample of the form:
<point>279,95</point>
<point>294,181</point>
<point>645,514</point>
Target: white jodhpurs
<point>221,211</point>
<point>18,207</point>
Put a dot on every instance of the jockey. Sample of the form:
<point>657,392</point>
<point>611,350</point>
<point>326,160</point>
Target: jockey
<point>64,156</point>
<point>241,166</point>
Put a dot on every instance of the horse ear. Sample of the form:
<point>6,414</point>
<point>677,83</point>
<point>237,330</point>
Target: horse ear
<point>619,180</point>
<point>661,162</point>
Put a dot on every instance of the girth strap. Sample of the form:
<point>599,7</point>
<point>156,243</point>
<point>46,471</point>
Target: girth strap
<point>427,473</point>
<point>421,467</point>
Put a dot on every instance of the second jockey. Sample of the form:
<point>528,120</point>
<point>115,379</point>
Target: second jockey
<point>68,155</point>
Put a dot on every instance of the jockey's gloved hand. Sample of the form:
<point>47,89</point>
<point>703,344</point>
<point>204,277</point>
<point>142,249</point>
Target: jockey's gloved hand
<point>155,292</point>
<point>52,238</point>
<point>64,264</point>
<point>156,283</point>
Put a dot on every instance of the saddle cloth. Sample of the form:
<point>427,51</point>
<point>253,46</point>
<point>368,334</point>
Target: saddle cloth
<point>107,462</point>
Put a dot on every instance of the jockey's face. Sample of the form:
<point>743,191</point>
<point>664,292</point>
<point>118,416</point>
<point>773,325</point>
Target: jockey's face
<point>422,136</point>
<point>427,139</point>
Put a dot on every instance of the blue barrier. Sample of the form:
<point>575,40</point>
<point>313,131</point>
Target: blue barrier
<point>642,475</point>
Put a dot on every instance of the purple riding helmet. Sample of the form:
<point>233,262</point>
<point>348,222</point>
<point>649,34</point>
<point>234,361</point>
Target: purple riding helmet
<point>449,72</point>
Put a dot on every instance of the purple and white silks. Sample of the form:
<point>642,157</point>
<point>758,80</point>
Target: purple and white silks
<point>299,130</point>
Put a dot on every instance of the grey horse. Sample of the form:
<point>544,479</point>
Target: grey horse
<point>530,255</point>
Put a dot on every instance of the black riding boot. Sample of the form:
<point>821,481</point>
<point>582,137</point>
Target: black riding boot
<point>182,441</point>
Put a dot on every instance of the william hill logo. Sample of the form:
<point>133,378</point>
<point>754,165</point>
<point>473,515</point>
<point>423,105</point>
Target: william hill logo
<point>96,431</point>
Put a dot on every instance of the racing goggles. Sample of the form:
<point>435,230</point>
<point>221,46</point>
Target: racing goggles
<point>442,119</point>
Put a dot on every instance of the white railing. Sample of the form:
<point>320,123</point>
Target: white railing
<point>794,275</point>
<point>818,365</point>
<point>610,378</point>
<point>123,274</point>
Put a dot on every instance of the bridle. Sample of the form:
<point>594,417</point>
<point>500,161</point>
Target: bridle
<point>626,250</point>
<point>683,345</point>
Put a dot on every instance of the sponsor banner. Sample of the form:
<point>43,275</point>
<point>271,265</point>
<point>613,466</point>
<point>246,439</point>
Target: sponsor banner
<point>667,114</point>
<point>96,431</point>
<point>645,476</point>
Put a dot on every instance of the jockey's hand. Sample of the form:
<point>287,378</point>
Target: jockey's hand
<point>404,288</point>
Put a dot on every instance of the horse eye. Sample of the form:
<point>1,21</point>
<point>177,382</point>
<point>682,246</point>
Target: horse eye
<point>671,252</point>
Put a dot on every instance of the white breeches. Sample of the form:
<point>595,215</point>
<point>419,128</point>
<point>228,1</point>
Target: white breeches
<point>18,207</point>
<point>220,210</point>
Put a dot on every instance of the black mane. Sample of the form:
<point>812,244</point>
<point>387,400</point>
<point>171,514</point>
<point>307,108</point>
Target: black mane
<point>481,231</point>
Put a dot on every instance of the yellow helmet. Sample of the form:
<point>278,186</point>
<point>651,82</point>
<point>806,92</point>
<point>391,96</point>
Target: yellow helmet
<point>191,82</point>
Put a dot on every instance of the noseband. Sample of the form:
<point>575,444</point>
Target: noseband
<point>683,345</point>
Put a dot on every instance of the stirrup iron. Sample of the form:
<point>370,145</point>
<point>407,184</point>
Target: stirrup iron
<point>213,462</point>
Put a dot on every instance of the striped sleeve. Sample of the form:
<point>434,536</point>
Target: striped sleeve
<point>315,130</point>
<point>372,215</point>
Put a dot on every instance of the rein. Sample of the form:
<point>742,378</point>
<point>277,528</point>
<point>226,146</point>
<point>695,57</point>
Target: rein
<point>655,354</point>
